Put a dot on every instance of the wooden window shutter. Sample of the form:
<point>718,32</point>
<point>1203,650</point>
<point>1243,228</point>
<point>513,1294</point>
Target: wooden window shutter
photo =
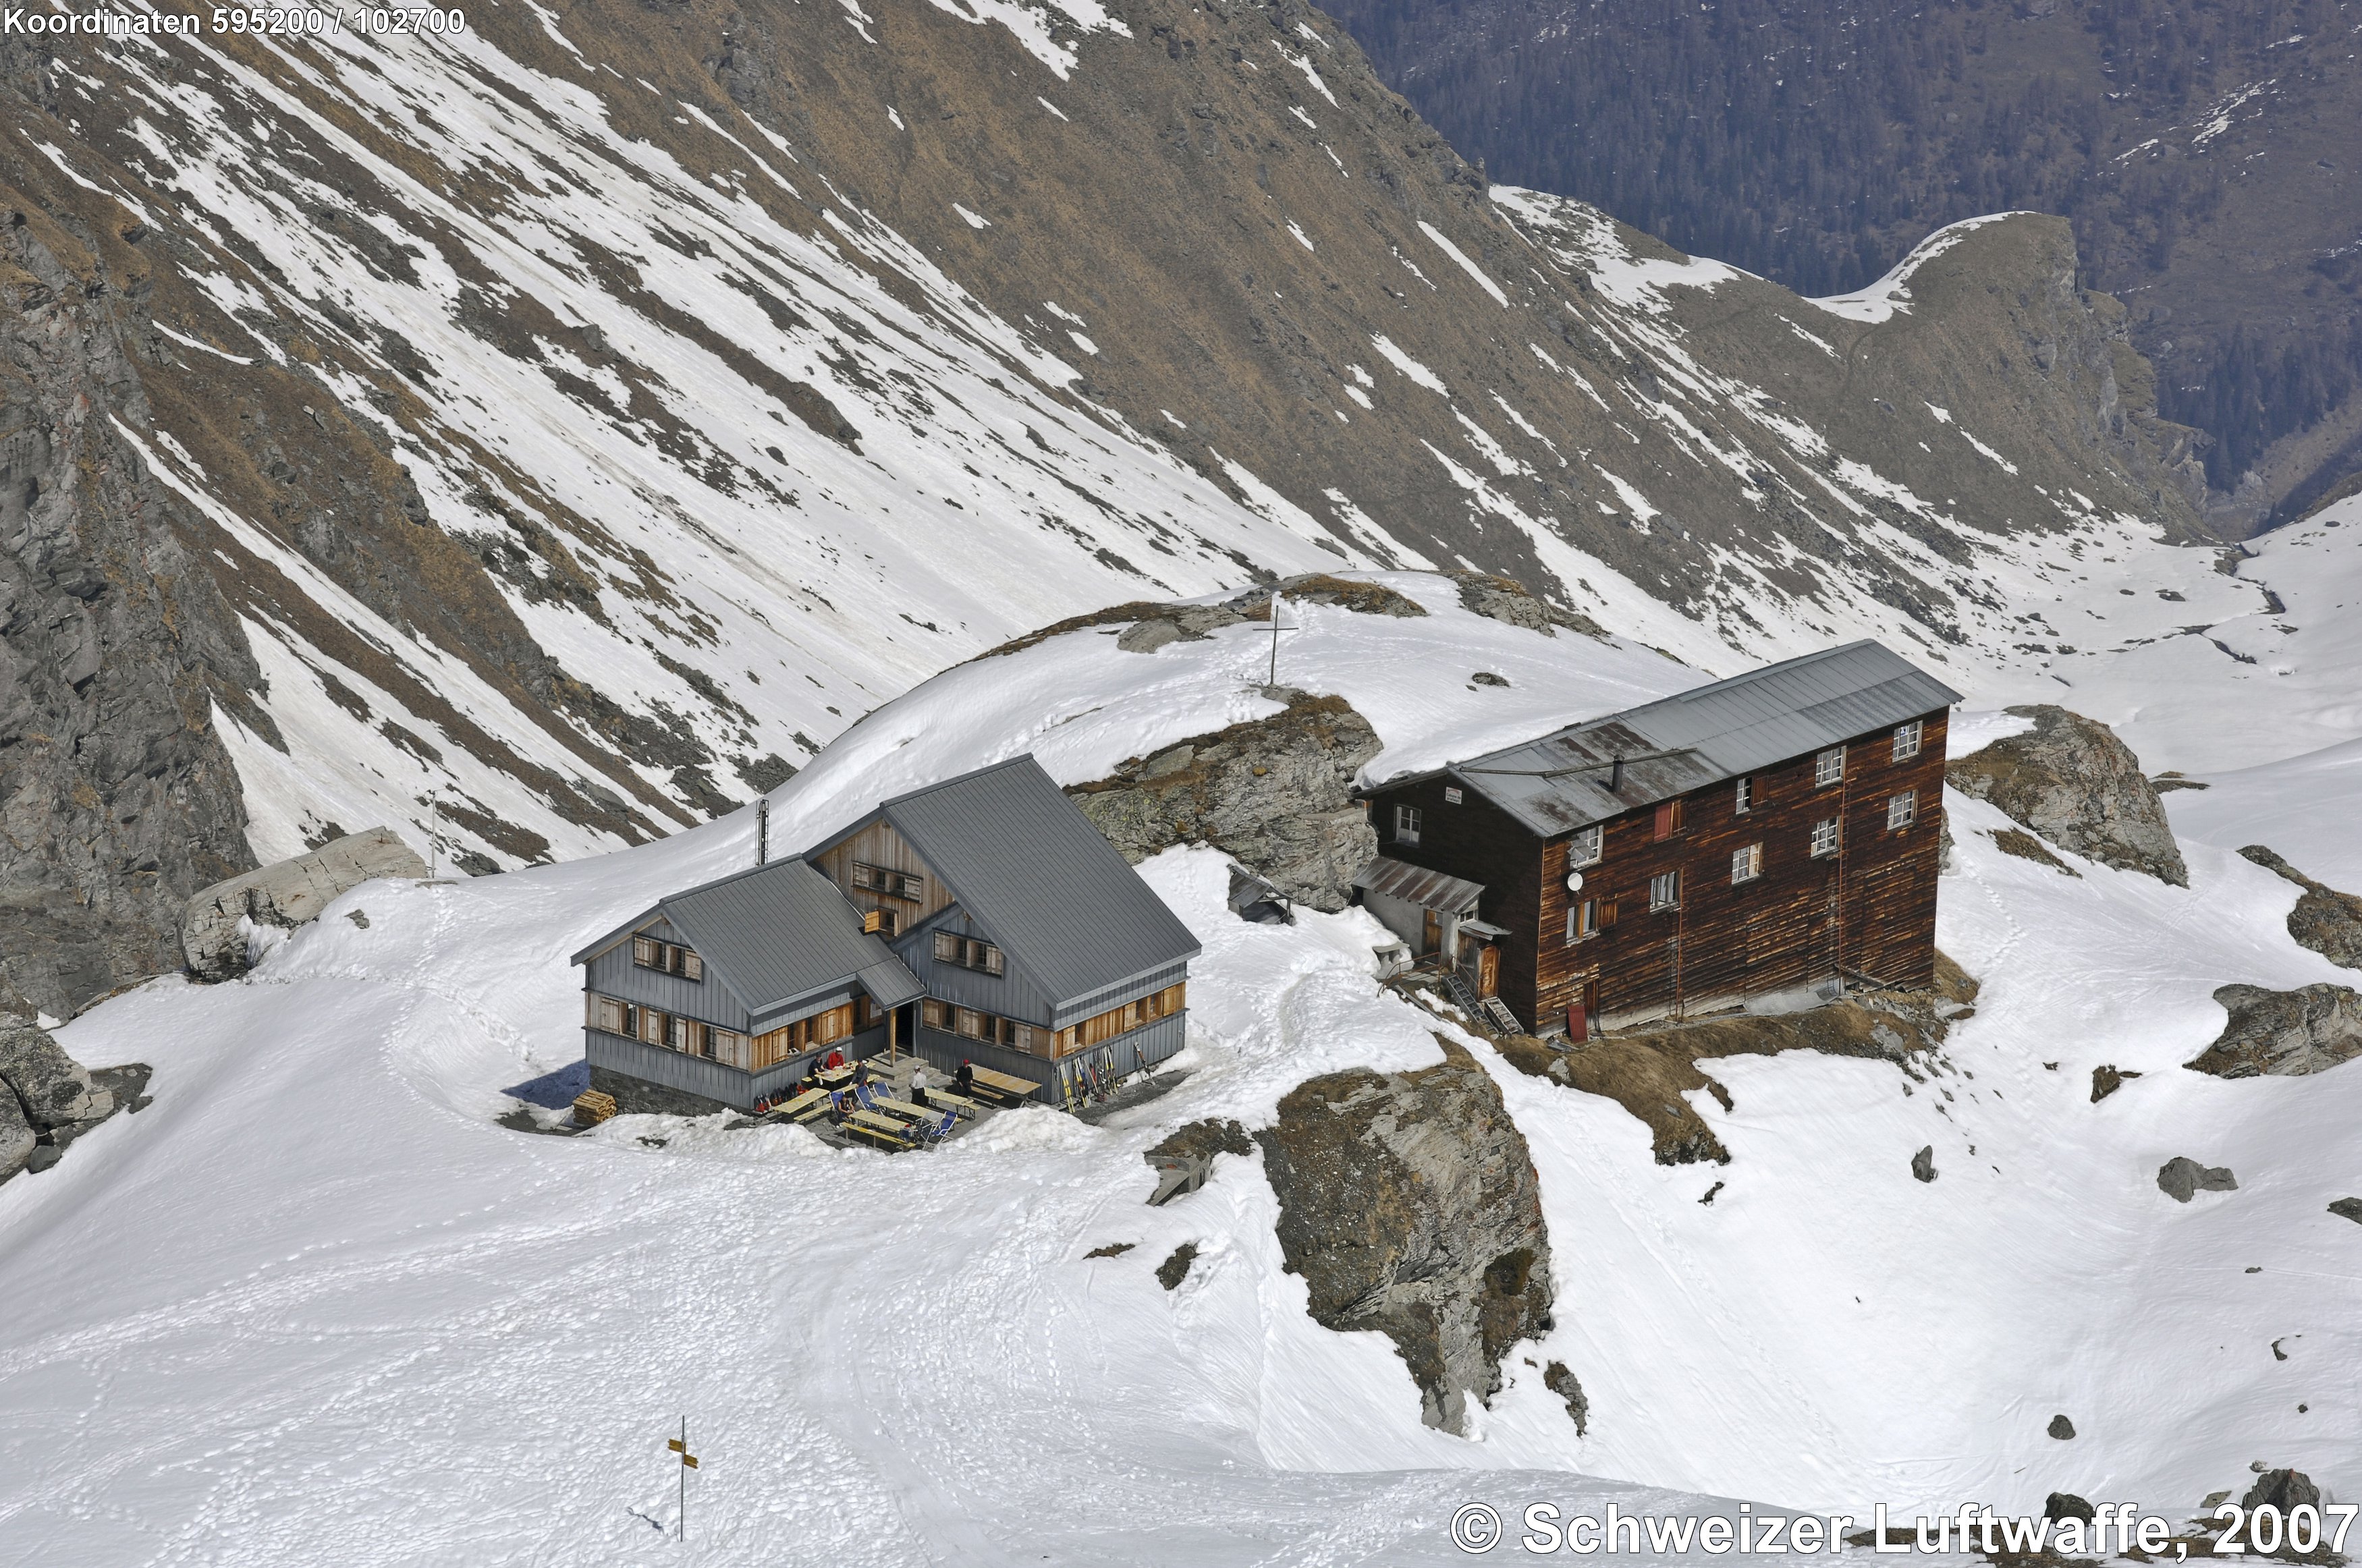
<point>948,947</point>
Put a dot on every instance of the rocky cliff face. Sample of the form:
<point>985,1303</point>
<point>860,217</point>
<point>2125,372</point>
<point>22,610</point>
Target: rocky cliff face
<point>1408,1203</point>
<point>117,800</point>
<point>2283,1033</point>
<point>2071,780</point>
<point>846,345</point>
<point>2328,922</point>
<point>1276,793</point>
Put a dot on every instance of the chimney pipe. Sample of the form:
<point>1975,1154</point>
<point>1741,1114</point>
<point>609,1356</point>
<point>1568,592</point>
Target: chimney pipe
<point>763,831</point>
<point>1616,777</point>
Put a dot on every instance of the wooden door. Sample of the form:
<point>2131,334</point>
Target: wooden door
<point>1488,970</point>
<point>1431,934</point>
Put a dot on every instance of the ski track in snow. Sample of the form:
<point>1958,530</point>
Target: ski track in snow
<point>314,1306</point>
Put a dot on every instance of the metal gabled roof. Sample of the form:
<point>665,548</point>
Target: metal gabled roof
<point>1039,879</point>
<point>1417,886</point>
<point>774,934</point>
<point>1559,782</point>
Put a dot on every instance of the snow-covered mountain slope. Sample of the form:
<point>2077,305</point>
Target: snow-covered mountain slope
<point>427,1337</point>
<point>578,419</point>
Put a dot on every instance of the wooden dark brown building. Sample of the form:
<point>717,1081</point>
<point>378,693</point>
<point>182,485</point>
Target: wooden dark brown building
<point>1746,843</point>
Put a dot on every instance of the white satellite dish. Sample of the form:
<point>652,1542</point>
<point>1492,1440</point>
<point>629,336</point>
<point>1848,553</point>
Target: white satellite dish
<point>1575,881</point>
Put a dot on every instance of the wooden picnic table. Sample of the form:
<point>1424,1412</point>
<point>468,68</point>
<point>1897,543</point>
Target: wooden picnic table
<point>835,1075</point>
<point>915,1113</point>
<point>1001,1083</point>
<point>811,1102</point>
<point>878,1123</point>
<point>959,1103</point>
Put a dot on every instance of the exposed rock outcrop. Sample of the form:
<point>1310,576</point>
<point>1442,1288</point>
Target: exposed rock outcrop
<point>1184,1160</point>
<point>1409,1204</point>
<point>1507,600</point>
<point>2072,781</point>
<point>2347,1209</point>
<point>2328,922</point>
<point>1276,793</point>
<point>1562,1383</point>
<point>2063,1428</point>
<point>114,646</point>
<point>53,1087</point>
<point>47,1099</point>
<point>2106,1079</point>
<point>217,926</point>
<point>1923,1163</point>
<point>2182,1178</point>
<point>1150,626</point>
<point>1652,1072</point>
<point>2283,1489</point>
<point>2283,1033</point>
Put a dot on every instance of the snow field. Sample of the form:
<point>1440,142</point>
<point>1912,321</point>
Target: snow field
<point>313,1306</point>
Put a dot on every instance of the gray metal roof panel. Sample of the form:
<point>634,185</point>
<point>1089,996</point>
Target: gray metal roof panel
<point>1558,782</point>
<point>1039,878</point>
<point>777,932</point>
<point>1417,884</point>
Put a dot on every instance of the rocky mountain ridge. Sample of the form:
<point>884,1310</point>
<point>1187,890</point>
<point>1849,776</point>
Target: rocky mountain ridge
<point>570,424</point>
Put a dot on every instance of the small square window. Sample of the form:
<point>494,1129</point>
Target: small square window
<point>1585,847</point>
<point>1746,865</point>
<point>1665,890</point>
<point>1824,838</point>
<point>1407,824</point>
<point>1829,768</point>
<point>1906,740</point>
<point>1582,919</point>
<point>1743,796</point>
<point>1669,819</point>
<point>1902,809</point>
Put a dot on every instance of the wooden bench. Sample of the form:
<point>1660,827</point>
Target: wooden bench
<point>959,1103</point>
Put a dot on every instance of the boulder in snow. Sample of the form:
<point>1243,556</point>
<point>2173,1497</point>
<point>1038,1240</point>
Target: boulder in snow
<point>2071,780</point>
<point>1511,602</point>
<point>1923,1163</point>
<point>2283,1033</point>
<point>16,1142</point>
<point>2287,1490</point>
<point>2067,1505</point>
<point>215,924</point>
<point>1277,793</point>
<point>2063,1428</point>
<point>2347,1209</point>
<point>2181,1177</point>
<point>2328,922</point>
<point>52,1086</point>
<point>1409,1204</point>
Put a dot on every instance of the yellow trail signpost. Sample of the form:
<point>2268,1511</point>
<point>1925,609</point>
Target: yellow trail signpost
<point>679,1445</point>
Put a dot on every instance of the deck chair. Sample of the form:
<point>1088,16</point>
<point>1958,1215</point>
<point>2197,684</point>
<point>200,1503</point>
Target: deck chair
<point>943,1130</point>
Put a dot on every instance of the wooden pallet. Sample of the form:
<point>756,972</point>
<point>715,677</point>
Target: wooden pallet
<point>591,1108</point>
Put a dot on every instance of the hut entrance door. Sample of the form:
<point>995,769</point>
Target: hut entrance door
<point>1488,970</point>
<point>1430,933</point>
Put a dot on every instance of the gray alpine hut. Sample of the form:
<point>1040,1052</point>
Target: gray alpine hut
<point>983,919</point>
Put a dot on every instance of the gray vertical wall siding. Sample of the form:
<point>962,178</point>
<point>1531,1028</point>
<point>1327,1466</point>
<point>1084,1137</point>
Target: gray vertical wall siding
<point>1117,1058</point>
<point>613,974</point>
<point>1014,994</point>
<point>716,1080</point>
